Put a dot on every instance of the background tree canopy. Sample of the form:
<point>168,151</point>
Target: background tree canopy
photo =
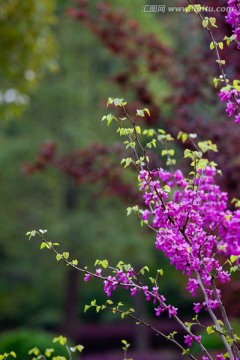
<point>93,51</point>
<point>28,50</point>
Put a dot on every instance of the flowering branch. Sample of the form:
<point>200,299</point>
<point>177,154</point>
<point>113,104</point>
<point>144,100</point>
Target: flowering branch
<point>185,224</point>
<point>126,280</point>
<point>229,93</point>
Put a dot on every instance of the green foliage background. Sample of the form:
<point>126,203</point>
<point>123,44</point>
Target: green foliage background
<point>65,107</point>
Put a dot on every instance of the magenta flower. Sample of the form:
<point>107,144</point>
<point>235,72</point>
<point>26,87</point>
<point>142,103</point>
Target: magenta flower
<point>231,108</point>
<point>159,310</point>
<point>220,357</point>
<point>237,118</point>
<point>133,291</point>
<point>172,311</point>
<point>87,277</point>
<point>188,340</point>
<point>197,307</point>
<point>192,286</point>
<point>225,95</point>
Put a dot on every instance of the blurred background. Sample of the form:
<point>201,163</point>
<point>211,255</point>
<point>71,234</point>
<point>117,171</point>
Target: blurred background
<point>60,61</point>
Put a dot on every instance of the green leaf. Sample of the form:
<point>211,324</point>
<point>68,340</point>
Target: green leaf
<point>187,153</point>
<point>220,45</point>
<point>140,113</point>
<point>228,217</point>
<point>127,162</point>
<point>182,136</point>
<point>109,302</point>
<point>48,352</point>
<point>210,330</point>
<point>86,307</point>
<point>228,40</point>
<point>109,118</point>
<point>34,351</point>
<point>189,8</point>
<point>212,45</point>
<point>221,62</point>
<point>42,231</point>
<point>145,268</point>
<point>166,188</point>
<point>116,102</point>
<point>120,264</point>
<point>30,234</point>
<point>61,339</point>
<point>79,347</point>
<point>207,146</point>
<point>104,264</point>
<point>147,111</point>
<point>189,325</point>
<point>138,129</point>
<point>43,245</point>
<point>233,258</point>
<point>205,22</point>
<point>212,21</point>
<point>129,211</point>
<point>59,257</point>
<point>215,82</point>
<point>65,255</point>
<point>233,268</point>
<point>185,351</point>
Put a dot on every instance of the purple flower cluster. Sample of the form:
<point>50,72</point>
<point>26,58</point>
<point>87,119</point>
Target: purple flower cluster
<point>232,97</point>
<point>230,232</point>
<point>190,338</point>
<point>187,217</point>
<point>233,18</point>
<point>193,224</point>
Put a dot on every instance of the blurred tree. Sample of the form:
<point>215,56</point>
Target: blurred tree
<point>66,110</point>
<point>177,88</point>
<point>28,49</point>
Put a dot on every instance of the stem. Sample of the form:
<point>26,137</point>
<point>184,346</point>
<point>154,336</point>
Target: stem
<point>156,331</point>
<point>69,352</point>
<point>129,285</point>
<point>182,231</point>
<point>221,68</point>
<point>215,320</point>
<point>226,320</point>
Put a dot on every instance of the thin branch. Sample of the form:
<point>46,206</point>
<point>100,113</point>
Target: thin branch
<point>225,320</point>
<point>215,320</point>
<point>149,326</point>
<point>219,61</point>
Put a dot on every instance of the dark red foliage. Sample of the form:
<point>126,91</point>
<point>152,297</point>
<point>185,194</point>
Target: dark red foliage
<point>124,38</point>
<point>192,97</point>
<point>97,165</point>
